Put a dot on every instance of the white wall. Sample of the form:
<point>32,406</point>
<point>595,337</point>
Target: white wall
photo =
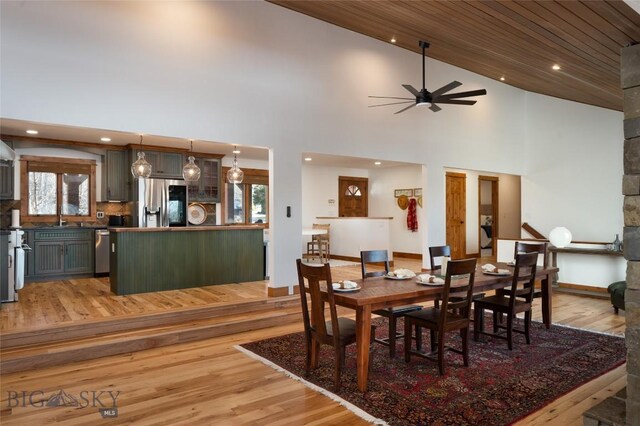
<point>574,173</point>
<point>257,74</point>
<point>382,203</point>
<point>319,186</point>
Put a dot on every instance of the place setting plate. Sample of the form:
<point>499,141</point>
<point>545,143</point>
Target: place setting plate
<point>431,281</point>
<point>393,277</point>
<point>337,287</point>
<point>499,274</point>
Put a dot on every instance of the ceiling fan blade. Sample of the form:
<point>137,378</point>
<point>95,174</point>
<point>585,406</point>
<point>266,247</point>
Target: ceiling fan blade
<point>404,109</point>
<point>392,103</point>
<point>410,88</point>
<point>464,94</point>
<point>455,102</point>
<point>445,89</point>
<point>434,108</point>
<point>390,97</point>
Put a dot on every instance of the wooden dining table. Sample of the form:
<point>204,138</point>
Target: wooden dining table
<point>380,292</point>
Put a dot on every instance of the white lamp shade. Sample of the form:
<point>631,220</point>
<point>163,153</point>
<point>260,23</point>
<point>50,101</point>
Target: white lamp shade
<point>560,236</point>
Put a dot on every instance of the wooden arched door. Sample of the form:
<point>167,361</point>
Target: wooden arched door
<point>353,196</point>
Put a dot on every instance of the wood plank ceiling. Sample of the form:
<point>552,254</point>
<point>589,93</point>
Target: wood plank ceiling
<point>517,40</point>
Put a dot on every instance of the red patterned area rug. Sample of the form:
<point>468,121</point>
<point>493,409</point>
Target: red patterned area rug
<point>498,388</point>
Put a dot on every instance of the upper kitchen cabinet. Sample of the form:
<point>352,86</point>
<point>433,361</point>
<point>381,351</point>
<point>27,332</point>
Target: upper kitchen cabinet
<point>118,176</point>
<point>164,164</point>
<point>6,180</point>
<point>207,189</point>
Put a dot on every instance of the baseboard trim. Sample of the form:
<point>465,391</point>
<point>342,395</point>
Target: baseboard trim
<point>583,287</point>
<point>281,291</point>
<point>583,290</point>
<point>417,256</point>
<point>347,258</point>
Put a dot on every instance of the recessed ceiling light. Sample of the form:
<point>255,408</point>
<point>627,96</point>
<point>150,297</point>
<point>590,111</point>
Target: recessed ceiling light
<point>32,132</point>
<point>105,139</point>
<point>308,158</point>
<point>555,67</point>
<point>236,151</point>
<point>377,163</point>
<point>502,78</point>
<point>393,39</point>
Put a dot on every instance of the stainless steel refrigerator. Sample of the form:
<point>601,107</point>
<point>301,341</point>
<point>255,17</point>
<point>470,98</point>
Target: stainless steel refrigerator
<point>161,203</point>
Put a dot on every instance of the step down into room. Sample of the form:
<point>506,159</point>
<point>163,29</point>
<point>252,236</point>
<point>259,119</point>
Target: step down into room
<point>30,349</point>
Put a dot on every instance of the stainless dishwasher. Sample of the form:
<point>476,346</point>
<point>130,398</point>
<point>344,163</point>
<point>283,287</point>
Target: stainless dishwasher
<point>102,252</point>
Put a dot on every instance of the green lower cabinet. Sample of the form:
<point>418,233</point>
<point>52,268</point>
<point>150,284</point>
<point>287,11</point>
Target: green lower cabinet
<point>49,258</point>
<point>78,257</point>
<point>59,254</point>
<point>167,260</point>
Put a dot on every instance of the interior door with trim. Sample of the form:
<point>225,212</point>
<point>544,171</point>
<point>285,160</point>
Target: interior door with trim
<point>456,198</point>
<point>353,196</point>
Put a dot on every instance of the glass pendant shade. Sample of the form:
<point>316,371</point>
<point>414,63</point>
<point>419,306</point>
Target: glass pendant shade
<point>235,175</point>
<point>141,168</point>
<point>190,171</point>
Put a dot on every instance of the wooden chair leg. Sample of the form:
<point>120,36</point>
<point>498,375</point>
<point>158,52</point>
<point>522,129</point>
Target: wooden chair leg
<point>464,333</point>
<point>315,353</point>
<point>615,310</point>
<point>392,336</point>
<point>441,353</point>
<point>338,368</point>
<point>478,325</point>
<point>495,322</point>
<point>418,338</point>
<point>307,364</point>
<point>510,331</point>
<point>407,340</point>
<point>527,324</point>
<point>432,332</point>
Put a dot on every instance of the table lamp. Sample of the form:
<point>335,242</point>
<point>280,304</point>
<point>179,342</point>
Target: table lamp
<point>560,236</point>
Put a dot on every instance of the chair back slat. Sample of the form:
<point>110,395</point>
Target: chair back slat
<point>310,281</point>
<point>465,268</point>
<point>540,248</point>
<point>524,274</point>
<point>437,252</point>
<point>374,256</point>
<point>322,237</point>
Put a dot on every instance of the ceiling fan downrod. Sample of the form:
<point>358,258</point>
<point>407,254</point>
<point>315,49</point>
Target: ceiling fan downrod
<point>424,45</point>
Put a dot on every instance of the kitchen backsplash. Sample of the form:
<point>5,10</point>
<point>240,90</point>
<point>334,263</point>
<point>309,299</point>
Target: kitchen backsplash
<point>123,209</point>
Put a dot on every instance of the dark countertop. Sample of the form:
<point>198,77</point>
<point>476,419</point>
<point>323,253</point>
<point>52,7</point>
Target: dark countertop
<point>188,228</point>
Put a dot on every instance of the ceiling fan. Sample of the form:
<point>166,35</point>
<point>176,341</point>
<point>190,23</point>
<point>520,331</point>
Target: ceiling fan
<point>430,99</point>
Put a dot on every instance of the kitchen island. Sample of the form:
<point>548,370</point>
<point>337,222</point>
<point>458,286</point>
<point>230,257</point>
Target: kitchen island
<point>155,259</point>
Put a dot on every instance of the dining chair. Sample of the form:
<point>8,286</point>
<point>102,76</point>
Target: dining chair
<point>453,314</point>
<point>436,252</point>
<point>320,245</point>
<point>516,301</point>
<point>339,332</point>
<point>519,248</point>
<point>368,257</point>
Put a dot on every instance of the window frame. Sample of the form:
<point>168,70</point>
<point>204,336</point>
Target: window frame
<point>251,177</point>
<point>57,165</point>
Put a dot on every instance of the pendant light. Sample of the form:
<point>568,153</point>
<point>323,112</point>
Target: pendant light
<point>141,168</point>
<point>190,171</point>
<point>235,175</point>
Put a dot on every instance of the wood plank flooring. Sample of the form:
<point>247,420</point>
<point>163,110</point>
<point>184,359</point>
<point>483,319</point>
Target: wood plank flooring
<point>209,382</point>
<point>67,301</point>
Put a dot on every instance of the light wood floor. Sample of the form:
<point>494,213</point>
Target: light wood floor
<point>67,301</point>
<point>209,382</point>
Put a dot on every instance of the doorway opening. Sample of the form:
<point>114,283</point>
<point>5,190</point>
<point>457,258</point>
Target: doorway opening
<point>488,215</point>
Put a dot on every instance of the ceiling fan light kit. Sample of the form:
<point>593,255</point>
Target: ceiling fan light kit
<point>430,99</point>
